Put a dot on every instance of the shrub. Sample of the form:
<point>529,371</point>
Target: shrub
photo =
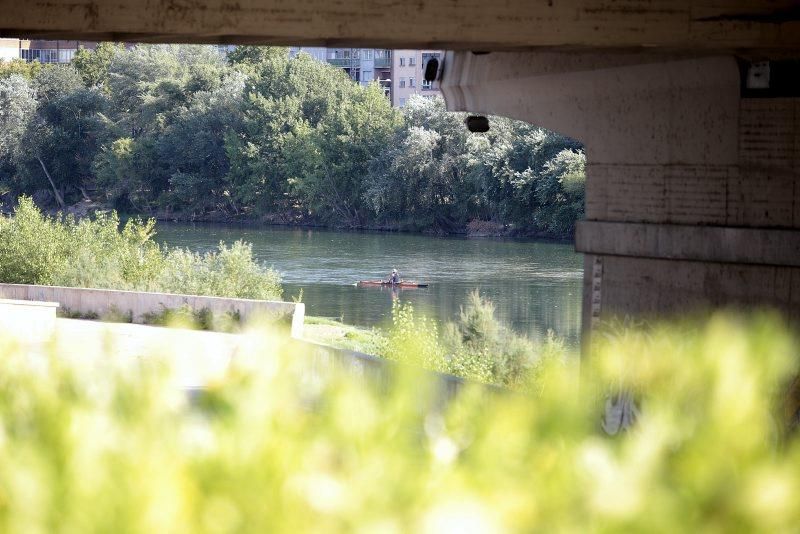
<point>229,272</point>
<point>476,347</point>
<point>413,339</point>
<point>32,248</point>
<point>96,252</point>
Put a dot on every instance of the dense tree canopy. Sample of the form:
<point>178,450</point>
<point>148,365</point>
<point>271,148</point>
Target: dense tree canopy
<point>183,131</point>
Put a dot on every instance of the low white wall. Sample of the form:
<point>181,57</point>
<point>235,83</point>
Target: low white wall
<point>139,303</point>
<point>26,320</point>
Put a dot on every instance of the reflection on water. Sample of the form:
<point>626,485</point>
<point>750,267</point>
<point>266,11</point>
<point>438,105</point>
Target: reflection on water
<point>534,286</point>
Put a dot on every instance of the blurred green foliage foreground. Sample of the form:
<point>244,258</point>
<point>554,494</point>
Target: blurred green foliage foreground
<point>286,444</point>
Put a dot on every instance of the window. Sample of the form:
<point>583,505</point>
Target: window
<point>411,82</point>
<point>412,61</point>
<point>366,53</point>
<point>426,85</point>
<point>48,55</point>
<point>402,62</point>
<point>402,82</point>
<point>402,102</point>
<point>428,55</point>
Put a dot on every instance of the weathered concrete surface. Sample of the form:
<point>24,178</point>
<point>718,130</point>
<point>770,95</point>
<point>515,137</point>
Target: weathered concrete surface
<point>645,287</point>
<point>635,113</point>
<point>466,24</point>
<point>197,359</point>
<point>31,321</point>
<point>718,244</point>
<point>693,191</point>
<point>138,303</point>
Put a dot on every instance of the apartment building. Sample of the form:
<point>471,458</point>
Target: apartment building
<point>50,51</point>
<point>9,49</point>
<point>408,67</point>
<point>399,72</point>
<point>363,65</point>
<point>46,51</point>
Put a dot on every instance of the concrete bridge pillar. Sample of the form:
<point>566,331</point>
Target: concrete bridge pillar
<point>693,184</point>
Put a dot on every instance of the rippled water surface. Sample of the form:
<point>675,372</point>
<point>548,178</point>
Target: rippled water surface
<point>535,286</point>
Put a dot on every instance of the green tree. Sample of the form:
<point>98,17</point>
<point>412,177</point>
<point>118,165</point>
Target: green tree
<point>256,55</point>
<point>435,174</point>
<point>285,101</point>
<point>60,139</point>
<point>193,149</point>
<point>178,129</point>
<point>117,167</point>
<point>17,109</point>
<point>560,192</point>
<point>328,162</point>
<point>152,89</point>
<point>94,65</point>
<point>421,176</point>
<point>19,67</point>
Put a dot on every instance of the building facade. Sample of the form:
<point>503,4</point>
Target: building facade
<point>9,49</point>
<point>45,51</point>
<point>408,68</point>
<point>363,65</point>
<point>399,72</point>
<point>62,51</point>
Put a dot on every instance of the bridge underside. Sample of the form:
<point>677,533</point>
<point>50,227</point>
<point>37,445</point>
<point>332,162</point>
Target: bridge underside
<point>692,192</point>
<point>689,111</point>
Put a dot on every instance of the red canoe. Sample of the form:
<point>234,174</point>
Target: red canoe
<point>381,283</point>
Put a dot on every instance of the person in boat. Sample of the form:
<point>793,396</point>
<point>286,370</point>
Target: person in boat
<point>395,278</point>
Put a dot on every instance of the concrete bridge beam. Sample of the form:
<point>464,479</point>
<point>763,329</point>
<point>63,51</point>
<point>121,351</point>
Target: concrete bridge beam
<point>692,192</point>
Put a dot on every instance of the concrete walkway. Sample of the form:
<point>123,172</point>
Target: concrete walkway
<point>198,357</point>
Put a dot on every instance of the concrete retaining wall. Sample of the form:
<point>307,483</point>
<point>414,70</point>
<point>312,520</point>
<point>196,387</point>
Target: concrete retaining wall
<point>138,303</point>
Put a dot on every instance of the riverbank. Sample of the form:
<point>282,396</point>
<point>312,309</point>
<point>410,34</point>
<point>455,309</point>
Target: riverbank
<point>475,228</point>
<point>535,285</point>
<point>342,336</point>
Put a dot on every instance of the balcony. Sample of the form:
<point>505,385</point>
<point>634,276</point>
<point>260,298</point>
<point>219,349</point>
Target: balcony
<point>383,62</point>
<point>47,55</point>
<point>344,62</point>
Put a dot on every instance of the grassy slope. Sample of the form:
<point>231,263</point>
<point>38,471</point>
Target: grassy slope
<point>340,335</point>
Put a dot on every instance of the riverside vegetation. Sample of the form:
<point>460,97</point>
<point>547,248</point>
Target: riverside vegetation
<point>181,132</point>
<point>475,346</point>
<point>99,446</point>
<point>178,131</point>
<point>99,252</point>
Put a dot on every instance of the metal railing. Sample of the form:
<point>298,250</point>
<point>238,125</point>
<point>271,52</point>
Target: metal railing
<point>48,55</point>
<point>343,62</point>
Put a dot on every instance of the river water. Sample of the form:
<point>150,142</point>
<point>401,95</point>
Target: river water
<point>534,286</point>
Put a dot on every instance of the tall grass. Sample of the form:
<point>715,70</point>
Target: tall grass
<point>280,446</point>
<point>100,253</point>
